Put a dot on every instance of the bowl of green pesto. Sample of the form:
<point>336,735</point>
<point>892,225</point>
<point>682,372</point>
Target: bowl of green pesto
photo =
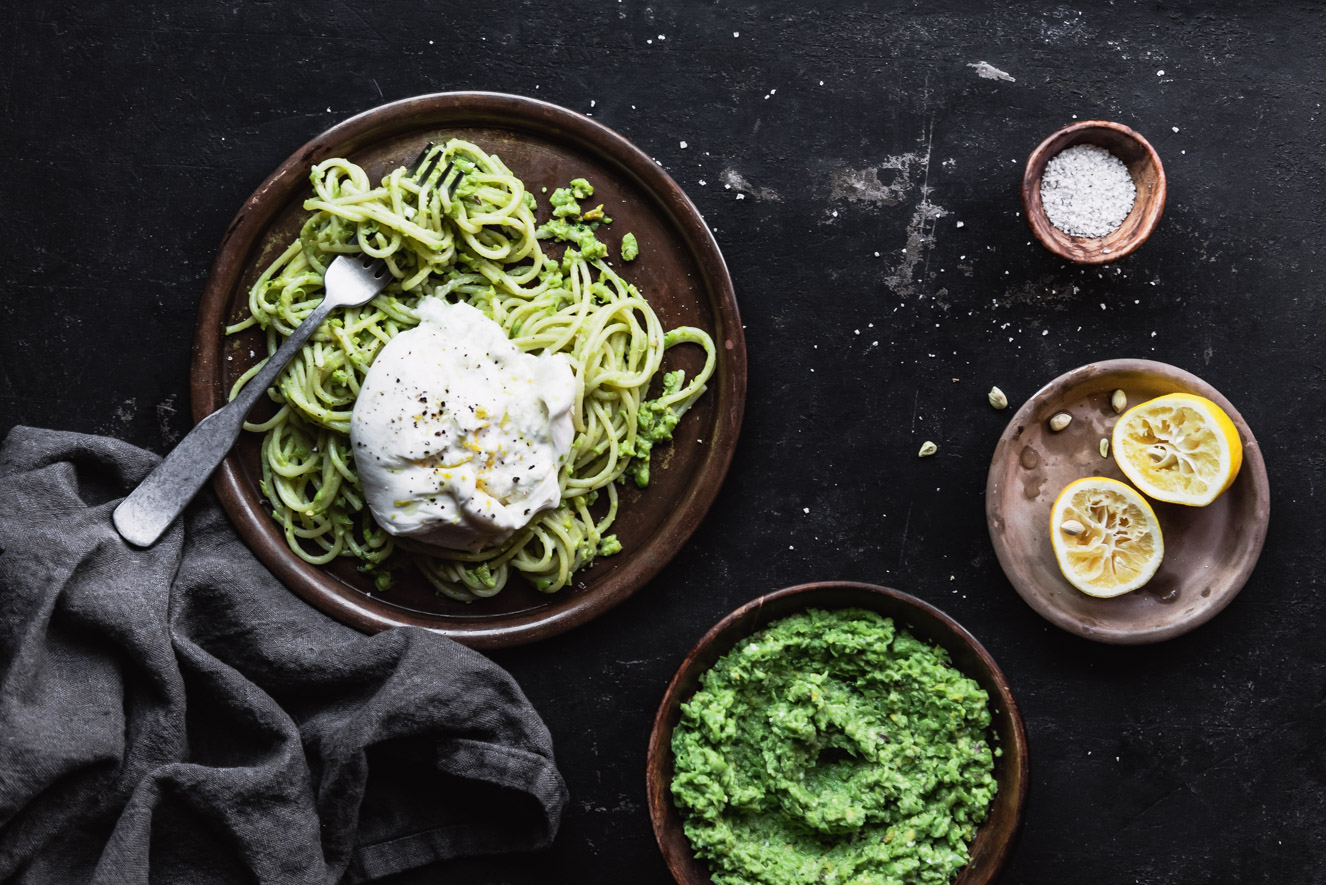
<point>837,734</point>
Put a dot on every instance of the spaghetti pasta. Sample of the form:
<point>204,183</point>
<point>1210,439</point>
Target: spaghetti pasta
<point>465,232</point>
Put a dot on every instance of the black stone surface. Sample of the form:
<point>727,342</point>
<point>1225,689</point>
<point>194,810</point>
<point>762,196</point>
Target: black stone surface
<point>815,137</point>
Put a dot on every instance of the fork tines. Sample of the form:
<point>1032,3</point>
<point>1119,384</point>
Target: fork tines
<point>378,266</point>
<point>421,171</point>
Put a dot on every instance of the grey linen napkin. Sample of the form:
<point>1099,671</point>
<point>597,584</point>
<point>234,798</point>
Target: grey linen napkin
<point>176,715</point>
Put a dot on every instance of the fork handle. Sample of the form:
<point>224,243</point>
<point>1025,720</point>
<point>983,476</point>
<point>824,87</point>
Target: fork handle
<point>149,510</point>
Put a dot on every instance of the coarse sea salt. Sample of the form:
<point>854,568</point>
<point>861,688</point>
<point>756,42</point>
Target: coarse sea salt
<point>1087,191</point>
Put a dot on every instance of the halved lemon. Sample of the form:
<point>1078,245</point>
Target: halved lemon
<point>1179,448</point>
<point>1106,537</point>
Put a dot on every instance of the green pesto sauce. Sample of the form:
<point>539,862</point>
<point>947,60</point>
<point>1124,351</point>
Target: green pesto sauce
<point>655,422</point>
<point>832,747</point>
<point>581,188</point>
<point>630,248</point>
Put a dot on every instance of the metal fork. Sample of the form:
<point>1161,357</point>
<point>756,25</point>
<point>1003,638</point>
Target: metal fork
<point>159,499</point>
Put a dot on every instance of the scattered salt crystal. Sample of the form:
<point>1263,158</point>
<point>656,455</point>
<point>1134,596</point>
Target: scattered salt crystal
<point>959,224</point>
<point>736,33</point>
<point>703,182</point>
<point>741,196</point>
<point>1175,128</point>
<point>683,145</point>
<point>1160,73</point>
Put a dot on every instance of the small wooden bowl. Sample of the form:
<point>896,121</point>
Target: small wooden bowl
<point>996,837</point>
<point>1144,167</point>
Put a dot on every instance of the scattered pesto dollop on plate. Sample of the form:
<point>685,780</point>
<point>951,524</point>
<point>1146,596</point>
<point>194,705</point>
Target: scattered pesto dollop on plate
<point>833,747</point>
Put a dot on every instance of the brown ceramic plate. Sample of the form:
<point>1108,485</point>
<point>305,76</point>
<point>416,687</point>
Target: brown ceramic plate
<point>680,272</point>
<point>996,837</point>
<point>1209,551</point>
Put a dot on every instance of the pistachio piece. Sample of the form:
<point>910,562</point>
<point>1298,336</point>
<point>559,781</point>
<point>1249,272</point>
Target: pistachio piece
<point>1060,421</point>
<point>1118,401</point>
<point>1072,527</point>
<point>1104,447</point>
<point>927,449</point>
<point>997,398</point>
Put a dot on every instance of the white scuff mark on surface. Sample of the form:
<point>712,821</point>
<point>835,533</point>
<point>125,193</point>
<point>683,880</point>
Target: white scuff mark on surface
<point>120,419</point>
<point>734,180</point>
<point>904,279</point>
<point>989,72</point>
<point>867,186</point>
<point>165,412</point>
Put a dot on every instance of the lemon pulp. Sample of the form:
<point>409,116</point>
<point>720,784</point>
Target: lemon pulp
<point>1179,448</point>
<point>1105,535</point>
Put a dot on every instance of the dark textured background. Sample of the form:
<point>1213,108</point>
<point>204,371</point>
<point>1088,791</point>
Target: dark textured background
<point>131,134</point>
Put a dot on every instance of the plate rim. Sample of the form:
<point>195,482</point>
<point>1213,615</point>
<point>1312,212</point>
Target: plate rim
<point>520,113</point>
<point>1254,466</point>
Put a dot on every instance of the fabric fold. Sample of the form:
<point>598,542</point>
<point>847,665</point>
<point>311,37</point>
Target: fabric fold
<point>174,714</point>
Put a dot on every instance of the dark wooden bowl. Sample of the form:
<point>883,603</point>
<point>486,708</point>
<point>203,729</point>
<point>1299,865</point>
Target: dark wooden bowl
<point>1209,551</point>
<point>994,840</point>
<point>680,271</point>
<point>1144,167</point>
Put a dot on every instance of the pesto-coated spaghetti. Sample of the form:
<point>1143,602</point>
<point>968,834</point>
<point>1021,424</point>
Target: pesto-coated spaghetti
<point>465,232</point>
